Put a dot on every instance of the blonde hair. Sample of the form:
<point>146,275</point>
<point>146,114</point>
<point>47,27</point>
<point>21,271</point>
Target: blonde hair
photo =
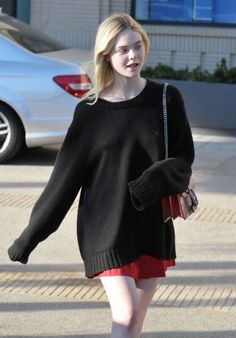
<point>105,39</point>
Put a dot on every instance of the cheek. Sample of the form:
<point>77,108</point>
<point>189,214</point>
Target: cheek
<point>117,61</point>
<point>142,54</point>
<point>112,62</point>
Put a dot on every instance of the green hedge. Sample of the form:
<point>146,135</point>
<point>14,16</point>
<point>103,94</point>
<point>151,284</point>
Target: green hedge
<point>221,74</point>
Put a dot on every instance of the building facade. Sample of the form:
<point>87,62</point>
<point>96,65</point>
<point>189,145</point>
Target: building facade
<point>182,32</point>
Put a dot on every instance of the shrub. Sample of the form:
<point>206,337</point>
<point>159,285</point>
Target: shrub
<point>221,74</point>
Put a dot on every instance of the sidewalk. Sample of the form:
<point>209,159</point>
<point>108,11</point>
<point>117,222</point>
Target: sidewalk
<point>49,297</point>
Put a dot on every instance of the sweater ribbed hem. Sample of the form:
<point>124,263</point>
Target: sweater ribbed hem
<point>140,193</point>
<point>107,260</point>
<point>115,258</point>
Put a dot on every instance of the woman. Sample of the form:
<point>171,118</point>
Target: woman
<point>114,151</point>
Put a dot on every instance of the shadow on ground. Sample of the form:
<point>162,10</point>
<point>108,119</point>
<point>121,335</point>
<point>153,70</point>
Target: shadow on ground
<point>186,334</point>
<point>35,156</point>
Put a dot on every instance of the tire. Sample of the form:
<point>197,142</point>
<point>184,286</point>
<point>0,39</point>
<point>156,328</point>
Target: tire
<point>12,135</point>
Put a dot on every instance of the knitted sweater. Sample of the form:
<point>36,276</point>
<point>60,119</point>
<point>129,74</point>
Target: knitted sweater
<point>114,152</point>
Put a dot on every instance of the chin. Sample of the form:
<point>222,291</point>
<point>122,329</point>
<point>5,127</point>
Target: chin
<point>133,75</point>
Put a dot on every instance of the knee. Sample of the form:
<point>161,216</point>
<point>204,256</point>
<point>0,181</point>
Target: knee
<point>129,318</point>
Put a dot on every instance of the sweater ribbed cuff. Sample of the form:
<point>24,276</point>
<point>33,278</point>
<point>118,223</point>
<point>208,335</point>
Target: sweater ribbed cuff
<point>19,251</point>
<point>140,193</point>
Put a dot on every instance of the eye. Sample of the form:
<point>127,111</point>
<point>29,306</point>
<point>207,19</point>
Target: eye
<point>138,47</point>
<point>123,50</point>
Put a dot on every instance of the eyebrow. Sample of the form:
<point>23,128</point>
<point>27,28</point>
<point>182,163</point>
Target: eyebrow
<point>139,41</point>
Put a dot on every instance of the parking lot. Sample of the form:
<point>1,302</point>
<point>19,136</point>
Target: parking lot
<point>50,296</point>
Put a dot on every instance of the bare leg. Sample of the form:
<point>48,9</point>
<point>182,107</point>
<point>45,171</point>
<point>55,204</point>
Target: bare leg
<point>145,289</point>
<point>123,298</point>
<point>129,300</point>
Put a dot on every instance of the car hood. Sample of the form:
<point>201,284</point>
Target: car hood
<point>82,57</point>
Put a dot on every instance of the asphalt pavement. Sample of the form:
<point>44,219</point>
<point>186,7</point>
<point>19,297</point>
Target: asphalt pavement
<point>50,297</point>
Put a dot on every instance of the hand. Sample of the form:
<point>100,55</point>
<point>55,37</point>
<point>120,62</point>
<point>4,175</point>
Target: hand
<point>18,252</point>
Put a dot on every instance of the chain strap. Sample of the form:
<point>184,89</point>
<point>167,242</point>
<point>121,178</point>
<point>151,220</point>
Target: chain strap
<point>164,103</point>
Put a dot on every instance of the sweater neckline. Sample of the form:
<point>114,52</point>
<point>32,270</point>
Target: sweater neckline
<point>125,103</point>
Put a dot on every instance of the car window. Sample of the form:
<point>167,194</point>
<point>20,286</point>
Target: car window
<point>27,36</point>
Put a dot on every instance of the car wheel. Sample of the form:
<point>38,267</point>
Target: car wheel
<point>11,134</point>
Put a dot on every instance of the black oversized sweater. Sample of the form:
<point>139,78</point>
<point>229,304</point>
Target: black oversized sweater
<point>114,151</point>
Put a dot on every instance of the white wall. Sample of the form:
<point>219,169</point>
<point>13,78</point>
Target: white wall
<point>191,46</point>
<point>74,22</point>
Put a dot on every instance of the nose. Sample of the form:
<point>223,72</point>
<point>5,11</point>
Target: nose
<point>132,54</point>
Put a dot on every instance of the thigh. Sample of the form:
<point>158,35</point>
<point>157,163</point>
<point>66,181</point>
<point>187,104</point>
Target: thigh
<point>145,291</point>
<point>122,295</point>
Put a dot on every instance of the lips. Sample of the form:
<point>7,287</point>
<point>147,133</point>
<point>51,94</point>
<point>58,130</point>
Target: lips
<point>132,65</point>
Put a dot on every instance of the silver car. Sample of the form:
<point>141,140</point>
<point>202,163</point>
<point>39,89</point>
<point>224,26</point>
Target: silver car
<point>41,82</point>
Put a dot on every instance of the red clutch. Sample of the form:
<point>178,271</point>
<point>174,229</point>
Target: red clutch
<point>180,205</point>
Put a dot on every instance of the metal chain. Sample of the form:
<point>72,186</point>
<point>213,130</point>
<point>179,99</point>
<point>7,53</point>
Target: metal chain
<point>164,103</point>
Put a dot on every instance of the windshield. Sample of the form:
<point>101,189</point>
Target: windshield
<point>27,36</point>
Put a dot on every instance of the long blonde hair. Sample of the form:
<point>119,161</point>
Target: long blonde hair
<point>105,39</point>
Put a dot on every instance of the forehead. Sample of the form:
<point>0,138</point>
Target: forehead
<point>126,38</point>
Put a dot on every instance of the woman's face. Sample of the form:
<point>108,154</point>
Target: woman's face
<point>128,54</point>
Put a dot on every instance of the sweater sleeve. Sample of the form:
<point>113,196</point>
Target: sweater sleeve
<point>57,197</point>
<point>172,175</point>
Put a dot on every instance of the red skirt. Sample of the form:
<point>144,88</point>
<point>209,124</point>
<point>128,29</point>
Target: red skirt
<point>143,267</point>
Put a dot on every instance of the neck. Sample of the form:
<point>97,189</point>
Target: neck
<point>126,88</point>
